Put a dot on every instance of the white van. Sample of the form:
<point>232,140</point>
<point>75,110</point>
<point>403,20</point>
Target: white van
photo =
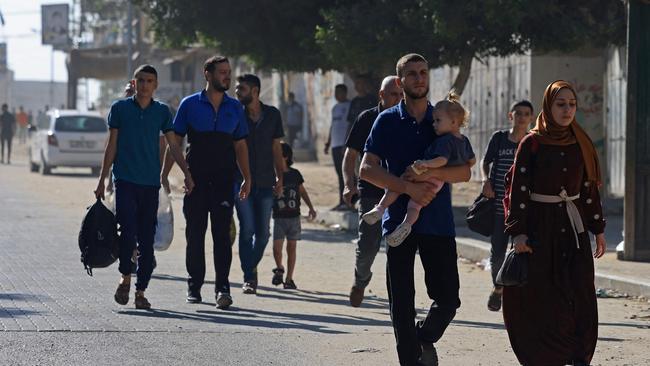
<point>68,138</point>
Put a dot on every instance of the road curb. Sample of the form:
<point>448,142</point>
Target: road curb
<point>477,250</point>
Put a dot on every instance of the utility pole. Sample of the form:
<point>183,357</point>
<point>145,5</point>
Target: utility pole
<point>129,40</point>
<point>637,149</point>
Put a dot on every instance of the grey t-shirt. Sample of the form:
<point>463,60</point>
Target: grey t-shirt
<point>260,146</point>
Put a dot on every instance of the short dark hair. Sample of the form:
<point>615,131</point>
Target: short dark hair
<point>342,87</point>
<point>287,153</point>
<point>250,80</point>
<point>210,64</point>
<point>147,69</point>
<point>411,57</point>
<point>522,103</point>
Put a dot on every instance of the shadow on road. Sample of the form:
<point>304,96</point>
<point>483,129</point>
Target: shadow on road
<point>327,236</point>
<point>320,297</point>
<point>236,317</point>
<point>471,324</point>
<point>628,325</point>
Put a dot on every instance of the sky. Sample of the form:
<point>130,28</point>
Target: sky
<point>26,56</point>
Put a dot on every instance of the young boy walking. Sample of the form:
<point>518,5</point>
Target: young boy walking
<point>133,152</point>
<point>286,220</point>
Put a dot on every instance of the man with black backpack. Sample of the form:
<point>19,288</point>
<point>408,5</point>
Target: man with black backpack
<point>133,151</point>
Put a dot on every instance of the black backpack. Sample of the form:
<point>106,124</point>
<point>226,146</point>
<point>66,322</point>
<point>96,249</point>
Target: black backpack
<point>98,240</point>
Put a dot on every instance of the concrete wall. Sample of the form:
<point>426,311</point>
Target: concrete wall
<point>6,80</point>
<point>34,95</point>
<point>586,70</point>
<point>490,90</point>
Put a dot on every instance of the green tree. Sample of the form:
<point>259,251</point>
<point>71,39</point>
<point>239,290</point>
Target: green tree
<point>365,37</point>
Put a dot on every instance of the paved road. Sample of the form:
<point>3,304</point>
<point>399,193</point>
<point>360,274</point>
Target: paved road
<point>52,313</point>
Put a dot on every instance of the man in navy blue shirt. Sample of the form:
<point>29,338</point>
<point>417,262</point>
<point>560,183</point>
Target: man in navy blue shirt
<point>399,136</point>
<point>216,131</point>
<point>133,152</point>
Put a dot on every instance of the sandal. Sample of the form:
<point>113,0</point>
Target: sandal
<point>122,293</point>
<point>141,302</point>
<point>290,285</point>
<point>277,276</point>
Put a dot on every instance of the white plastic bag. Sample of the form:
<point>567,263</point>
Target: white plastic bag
<point>109,201</point>
<point>165,225</point>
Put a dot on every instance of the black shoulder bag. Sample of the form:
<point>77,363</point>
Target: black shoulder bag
<point>480,215</point>
<point>514,271</point>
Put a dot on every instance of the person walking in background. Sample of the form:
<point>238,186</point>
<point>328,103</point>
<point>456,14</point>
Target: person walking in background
<point>498,158</point>
<point>365,99</point>
<point>42,118</point>
<point>7,131</point>
<point>132,150</point>
<point>23,120</point>
<point>267,166</point>
<point>286,220</point>
<point>216,130</point>
<point>551,202</point>
<point>400,136</point>
<point>293,115</point>
<point>337,135</point>
<point>368,194</point>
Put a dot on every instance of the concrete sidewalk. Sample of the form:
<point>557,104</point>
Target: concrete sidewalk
<point>632,278</point>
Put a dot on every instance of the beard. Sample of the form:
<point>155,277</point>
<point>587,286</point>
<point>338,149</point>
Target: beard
<point>216,85</point>
<point>413,95</point>
<point>245,100</point>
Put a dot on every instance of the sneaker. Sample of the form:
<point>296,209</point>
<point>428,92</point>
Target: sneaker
<point>429,355</point>
<point>141,302</point>
<point>373,216</point>
<point>399,235</point>
<point>494,301</point>
<point>278,274</point>
<point>250,288</point>
<point>193,297</point>
<point>290,285</point>
<point>224,300</point>
<point>356,296</point>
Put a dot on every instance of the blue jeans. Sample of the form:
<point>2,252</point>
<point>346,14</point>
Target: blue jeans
<point>137,208</point>
<point>254,215</point>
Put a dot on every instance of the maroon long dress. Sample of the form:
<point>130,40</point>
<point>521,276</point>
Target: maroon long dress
<point>553,320</point>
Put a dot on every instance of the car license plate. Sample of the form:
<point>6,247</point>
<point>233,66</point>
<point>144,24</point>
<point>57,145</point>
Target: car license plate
<point>82,144</point>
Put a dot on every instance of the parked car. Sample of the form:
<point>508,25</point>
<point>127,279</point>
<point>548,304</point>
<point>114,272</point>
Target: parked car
<point>68,138</point>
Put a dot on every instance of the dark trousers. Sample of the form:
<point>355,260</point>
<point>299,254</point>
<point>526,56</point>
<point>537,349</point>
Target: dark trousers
<point>137,208</point>
<point>337,157</point>
<point>438,256</point>
<point>368,244</point>
<point>499,240</point>
<point>293,133</point>
<point>5,140</point>
<point>196,207</point>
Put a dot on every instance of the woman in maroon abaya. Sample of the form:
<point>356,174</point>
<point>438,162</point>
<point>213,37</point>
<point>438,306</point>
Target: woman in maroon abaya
<point>553,202</point>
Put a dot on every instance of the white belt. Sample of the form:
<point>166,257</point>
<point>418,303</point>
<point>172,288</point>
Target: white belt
<point>572,211</point>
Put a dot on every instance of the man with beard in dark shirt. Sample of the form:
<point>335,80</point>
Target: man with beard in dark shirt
<point>369,195</point>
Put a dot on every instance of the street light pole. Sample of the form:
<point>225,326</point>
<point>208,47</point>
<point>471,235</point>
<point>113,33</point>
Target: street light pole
<point>637,149</point>
<point>129,40</point>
